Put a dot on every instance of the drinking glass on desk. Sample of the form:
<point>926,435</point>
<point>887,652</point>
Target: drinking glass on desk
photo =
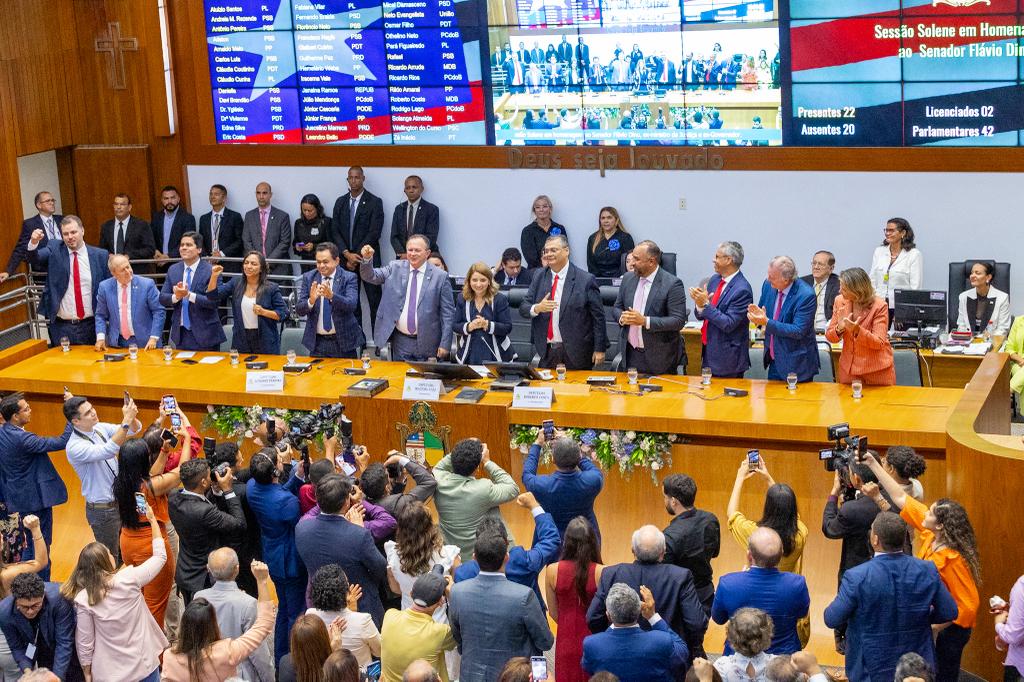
<point>633,375</point>
<point>233,353</point>
<point>291,356</point>
<point>366,359</point>
<point>168,353</point>
<point>65,344</point>
<point>705,376</point>
<point>858,389</point>
<point>133,351</point>
<point>560,371</point>
<point>791,381</point>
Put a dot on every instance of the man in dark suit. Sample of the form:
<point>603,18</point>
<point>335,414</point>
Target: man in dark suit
<point>195,322</point>
<point>357,221</point>
<point>511,272</point>
<point>564,50</point>
<point>826,287</point>
<point>651,310</point>
<point>329,296</point>
<point>582,55</point>
<point>536,54</point>
<point>28,480</point>
<point>128,309</point>
<point>417,309</point>
<point>46,220</point>
<point>39,626</point>
<point>571,490</point>
<point>169,224</point>
<point>201,526</point>
<point>565,304</point>
<point>221,229</point>
<point>415,216</point>
<point>74,273</point>
<point>332,538</point>
<point>786,311</point>
<point>672,587</point>
<point>628,651</point>
<point>246,546</point>
<point>523,54</point>
<point>693,538</point>
<point>781,595</point>
<point>126,234</point>
<point>722,305</point>
<point>889,605</point>
<point>494,619</point>
<point>268,229</point>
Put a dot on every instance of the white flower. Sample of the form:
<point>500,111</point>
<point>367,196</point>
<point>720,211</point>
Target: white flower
<point>248,433</point>
<point>524,448</point>
<point>655,465</point>
<point>630,435</point>
<point>604,436</point>
<point>209,409</point>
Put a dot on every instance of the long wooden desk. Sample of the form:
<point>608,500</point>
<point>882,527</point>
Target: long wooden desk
<point>788,427</point>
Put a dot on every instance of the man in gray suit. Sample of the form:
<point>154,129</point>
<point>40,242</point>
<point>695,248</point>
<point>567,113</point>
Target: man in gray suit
<point>268,229</point>
<point>416,308</point>
<point>494,619</point>
<point>236,612</point>
<point>651,310</point>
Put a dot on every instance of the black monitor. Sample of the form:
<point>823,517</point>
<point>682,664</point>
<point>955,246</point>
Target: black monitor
<point>446,371</point>
<point>920,308</point>
<point>514,369</point>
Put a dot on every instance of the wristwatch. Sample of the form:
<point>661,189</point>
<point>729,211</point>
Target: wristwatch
<point>126,427</point>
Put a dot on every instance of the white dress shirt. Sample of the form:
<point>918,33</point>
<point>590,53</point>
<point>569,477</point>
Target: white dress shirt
<point>67,303</point>
<point>820,321</point>
<point>906,272</point>
<point>711,294</point>
<point>401,325</point>
<point>556,336</point>
<point>320,329</point>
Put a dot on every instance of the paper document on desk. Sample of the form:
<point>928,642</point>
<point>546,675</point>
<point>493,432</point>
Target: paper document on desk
<point>185,354</point>
<point>693,325</point>
<point>211,360</point>
<point>977,348</point>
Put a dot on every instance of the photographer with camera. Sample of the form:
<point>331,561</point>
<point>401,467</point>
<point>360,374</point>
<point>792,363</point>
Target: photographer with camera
<point>384,484</point>
<point>247,545</point>
<point>201,526</point>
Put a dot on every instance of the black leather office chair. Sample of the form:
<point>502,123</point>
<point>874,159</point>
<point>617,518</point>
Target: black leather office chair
<point>668,261</point>
<point>959,282</point>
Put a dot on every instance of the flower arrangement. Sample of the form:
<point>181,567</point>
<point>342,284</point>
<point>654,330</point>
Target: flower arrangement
<point>239,423</point>
<point>622,450</point>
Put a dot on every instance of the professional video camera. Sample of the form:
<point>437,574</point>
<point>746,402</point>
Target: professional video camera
<point>847,450</point>
<point>325,420</point>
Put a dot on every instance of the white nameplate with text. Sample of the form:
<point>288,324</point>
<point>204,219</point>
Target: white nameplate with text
<point>421,389</point>
<point>538,397</point>
<point>258,382</point>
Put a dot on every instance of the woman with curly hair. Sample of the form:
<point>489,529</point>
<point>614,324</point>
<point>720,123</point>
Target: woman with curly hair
<point>418,546</point>
<point>750,633</point>
<point>946,538</point>
<point>332,598</point>
<point>906,466</point>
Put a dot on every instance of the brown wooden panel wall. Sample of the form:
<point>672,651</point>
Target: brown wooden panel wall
<point>102,172</point>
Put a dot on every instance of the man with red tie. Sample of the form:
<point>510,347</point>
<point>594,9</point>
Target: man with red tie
<point>786,311</point>
<point>723,308</point>
<point>74,275</point>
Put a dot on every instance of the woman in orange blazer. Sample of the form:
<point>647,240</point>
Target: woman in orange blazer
<point>861,320</point>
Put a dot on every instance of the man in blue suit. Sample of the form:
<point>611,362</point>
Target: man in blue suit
<point>39,625</point>
<point>276,508</point>
<point>46,220</point>
<point>329,297</point>
<point>722,306</point>
<point>128,309</point>
<point>571,490</point>
<point>74,273</point>
<point>786,311</point>
<point>629,652</point>
<point>889,605</point>
<point>331,538</point>
<point>783,596</point>
<point>416,308</point>
<point>195,322</point>
<point>29,482</point>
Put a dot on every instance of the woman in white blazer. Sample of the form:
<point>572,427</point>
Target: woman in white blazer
<point>983,305</point>
<point>896,264</point>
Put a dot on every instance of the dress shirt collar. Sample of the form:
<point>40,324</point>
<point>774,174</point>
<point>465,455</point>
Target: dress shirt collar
<point>167,216</point>
<point>415,204</point>
<point>82,251</point>
<point>330,276</point>
<point>421,269</point>
<point>355,197</point>
<point>493,574</point>
<point>650,277</point>
<point>225,586</point>
<point>561,273</point>
<point>201,497</point>
<point>613,626</point>
<point>728,278</point>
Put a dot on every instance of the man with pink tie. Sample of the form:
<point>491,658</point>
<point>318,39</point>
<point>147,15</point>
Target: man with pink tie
<point>268,229</point>
<point>128,309</point>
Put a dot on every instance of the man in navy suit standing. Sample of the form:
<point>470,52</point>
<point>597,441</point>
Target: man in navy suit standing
<point>195,322</point>
<point>46,220</point>
<point>74,275</point>
<point>415,216</point>
<point>129,307</point>
<point>786,311</point>
<point>722,306</point>
<point>28,480</point>
<point>222,229</point>
<point>417,308</point>
<point>329,297</point>
<point>169,224</point>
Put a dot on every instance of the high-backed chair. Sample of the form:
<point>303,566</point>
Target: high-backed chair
<point>668,261</point>
<point>959,282</point>
<point>908,367</point>
<point>826,371</point>
<point>757,369</point>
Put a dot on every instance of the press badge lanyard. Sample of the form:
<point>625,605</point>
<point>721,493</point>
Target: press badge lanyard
<point>92,442</point>
<point>30,650</point>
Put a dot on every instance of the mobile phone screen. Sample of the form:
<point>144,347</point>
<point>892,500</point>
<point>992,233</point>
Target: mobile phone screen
<point>539,668</point>
<point>549,428</point>
<point>140,503</point>
<point>753,459</point>
<point>175,420</point>
<point>170,403</point>
<point>127,398</point>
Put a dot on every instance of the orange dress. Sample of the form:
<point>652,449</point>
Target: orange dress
<point>866,354</point>
<point>137,546</point>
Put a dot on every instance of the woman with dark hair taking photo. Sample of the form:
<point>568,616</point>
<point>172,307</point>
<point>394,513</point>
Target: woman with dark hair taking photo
<point>257,306</point>
<point>201,655</point>
<point>117,637</point>
<point>311,228</point>
<point>569,587</point>
<point>780,514</point>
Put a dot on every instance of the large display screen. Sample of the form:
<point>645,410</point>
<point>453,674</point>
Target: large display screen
<point>618,72</point>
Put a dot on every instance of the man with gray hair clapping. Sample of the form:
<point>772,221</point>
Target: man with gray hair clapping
<point>786,311</point>
<point>671,586</point>
<point>628,651</point>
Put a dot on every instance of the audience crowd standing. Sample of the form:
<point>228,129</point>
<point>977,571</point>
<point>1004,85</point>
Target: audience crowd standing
<point>368,585</point>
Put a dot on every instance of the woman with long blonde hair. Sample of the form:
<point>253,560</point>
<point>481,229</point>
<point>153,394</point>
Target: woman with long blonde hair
<point>483,321</point>
<point>606,246</point>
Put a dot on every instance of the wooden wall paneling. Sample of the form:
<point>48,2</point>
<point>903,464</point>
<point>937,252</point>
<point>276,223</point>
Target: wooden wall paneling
<point>10,198</point>
<point>66,176</point>
<point>101,172</point>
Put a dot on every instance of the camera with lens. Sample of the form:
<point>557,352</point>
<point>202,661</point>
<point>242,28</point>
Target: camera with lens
<point>325,420</point>
<point>847,450</point>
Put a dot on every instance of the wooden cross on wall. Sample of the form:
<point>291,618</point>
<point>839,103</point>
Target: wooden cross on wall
<point>114,45</point>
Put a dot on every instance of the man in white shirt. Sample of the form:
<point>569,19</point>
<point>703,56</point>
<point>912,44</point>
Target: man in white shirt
<point>826,286</point>
<point>92,451</point>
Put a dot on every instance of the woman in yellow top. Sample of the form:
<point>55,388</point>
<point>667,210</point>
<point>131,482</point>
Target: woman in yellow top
<point>1015,347</point>
<point>946,538</point>
<point>779,514</point>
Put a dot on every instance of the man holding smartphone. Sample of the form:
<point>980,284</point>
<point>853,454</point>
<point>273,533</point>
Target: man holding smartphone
<point>92,451</point>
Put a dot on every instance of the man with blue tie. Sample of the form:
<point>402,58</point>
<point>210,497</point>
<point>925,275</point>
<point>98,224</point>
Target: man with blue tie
<point>417,308</point>
<point>74,274</point>
<point>46,220</point>
<point>195,322</point>
<point>130,306</point>
<point>789,343</point>
<point>329,297</point>
<point>724,314</point>
<point>29,482</point>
